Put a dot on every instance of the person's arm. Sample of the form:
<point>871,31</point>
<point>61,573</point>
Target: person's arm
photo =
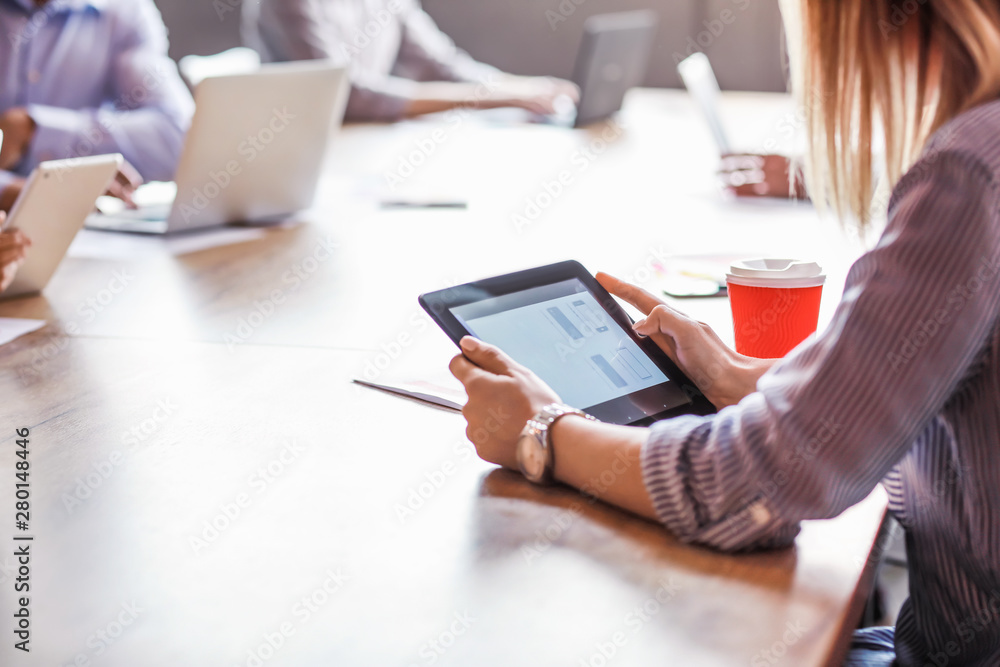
<point>152,107</point>
<point>762,175</point>
<point>428,54</point>
<point>603,461</point>
<point>311,30</point>
<point>828,422</point>
<point>292,30</point>
<point>452,78</point>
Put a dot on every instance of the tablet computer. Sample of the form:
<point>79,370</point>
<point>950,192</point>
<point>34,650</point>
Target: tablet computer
<point>559,322</point>
<point>51,209</point>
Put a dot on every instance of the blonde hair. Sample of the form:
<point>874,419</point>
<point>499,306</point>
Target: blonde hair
<point>899,68</point>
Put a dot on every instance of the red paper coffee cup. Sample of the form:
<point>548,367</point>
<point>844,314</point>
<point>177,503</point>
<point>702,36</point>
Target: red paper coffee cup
<point>775,304</point>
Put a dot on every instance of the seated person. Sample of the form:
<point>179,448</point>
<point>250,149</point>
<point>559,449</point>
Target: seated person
<point>902,388</point>
<point>407,67</point>
<point>83,77</point>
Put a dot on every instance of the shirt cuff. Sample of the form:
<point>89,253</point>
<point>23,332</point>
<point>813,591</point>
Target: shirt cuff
<point>667,470</point>
<point>385,103</point>
<point>58,133</point>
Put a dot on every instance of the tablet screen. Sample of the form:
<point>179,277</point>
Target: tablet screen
<point>561,332</point>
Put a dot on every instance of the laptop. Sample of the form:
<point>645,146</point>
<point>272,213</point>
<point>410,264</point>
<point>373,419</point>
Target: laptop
<point>52,207</point>
<point>613,58</point>
<point>699,78</point>
<point>254,153</point>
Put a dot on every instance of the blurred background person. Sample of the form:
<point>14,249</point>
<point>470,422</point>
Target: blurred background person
<point>400,62</point>
<point>88,77</point>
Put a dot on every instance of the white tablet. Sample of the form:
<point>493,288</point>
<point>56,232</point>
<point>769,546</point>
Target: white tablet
<point>55,202</point>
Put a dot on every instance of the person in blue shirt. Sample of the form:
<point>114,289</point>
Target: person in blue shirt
<point>88,77</point>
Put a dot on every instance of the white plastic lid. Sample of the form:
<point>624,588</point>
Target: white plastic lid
<point>786,273</point>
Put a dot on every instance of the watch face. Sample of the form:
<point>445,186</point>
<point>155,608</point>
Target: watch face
<point>531,457</point>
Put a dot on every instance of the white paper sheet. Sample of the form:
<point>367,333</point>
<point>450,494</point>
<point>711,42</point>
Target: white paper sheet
<point>445,396</point>
<point>11,328</point>
<point>90,244</point>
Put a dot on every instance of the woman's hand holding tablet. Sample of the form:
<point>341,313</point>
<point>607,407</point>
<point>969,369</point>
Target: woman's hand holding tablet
<point>534,341</point>
<point>560,323</point>
<point>503,396</point>
<point>723,375</point>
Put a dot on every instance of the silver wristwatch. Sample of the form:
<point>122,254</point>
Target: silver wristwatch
<point>534,448</point>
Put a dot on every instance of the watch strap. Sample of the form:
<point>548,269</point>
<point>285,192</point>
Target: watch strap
<point>540,428</point>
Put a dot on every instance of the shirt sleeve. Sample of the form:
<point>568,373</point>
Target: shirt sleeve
<point>427,54</point>
<point>831,420</point>
<point>151,111</point>
<point>291,30</point>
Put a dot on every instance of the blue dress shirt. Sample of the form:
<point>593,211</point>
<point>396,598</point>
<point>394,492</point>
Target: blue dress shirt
<point>95,77</point>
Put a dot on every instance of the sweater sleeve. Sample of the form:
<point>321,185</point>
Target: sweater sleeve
<point>828,422</point>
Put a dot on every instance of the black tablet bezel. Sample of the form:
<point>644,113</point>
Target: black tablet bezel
<point>438,305</point>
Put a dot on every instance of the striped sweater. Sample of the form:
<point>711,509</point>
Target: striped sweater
<point>902,388</point>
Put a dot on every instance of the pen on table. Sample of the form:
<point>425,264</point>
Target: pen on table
<point>425,204</point>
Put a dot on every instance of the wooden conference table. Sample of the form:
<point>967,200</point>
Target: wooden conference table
<point>209,487</point>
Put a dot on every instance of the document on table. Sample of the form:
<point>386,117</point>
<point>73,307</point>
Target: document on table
<point>11,328</point>
<point>436,393</point>
<point>91,244</point>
